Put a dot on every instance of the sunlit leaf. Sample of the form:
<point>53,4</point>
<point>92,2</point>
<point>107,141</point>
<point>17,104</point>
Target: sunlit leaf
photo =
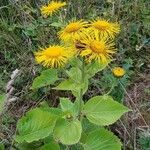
<point>47,77</point>
<point>37,124</point>
<point>94,68</point>
<point>101,139</point>
<point>103,110</point>
<point>68,132</point>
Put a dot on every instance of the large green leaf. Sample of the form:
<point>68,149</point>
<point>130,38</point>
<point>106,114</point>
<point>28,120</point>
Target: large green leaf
<point>70,85</point>
<point>103,110</point>
<point>82,86</point>
<point>50,146</point>
<point>47,77</point>
<point>28,146</point>
<point>76,147</point>
<point>101,139</point>
<point>2,101</point>
<point>37,124</point>
<point>75,82</point>
<point>76,62</point>
<point>69,107</point>
<point>66,85</point>
<point>93,68</point>
<point>2,146</point>
<point>68,132</point>
<point>66,104</point>
<point>75,74</point>
<point>88,126</point>
<point>55,111</point>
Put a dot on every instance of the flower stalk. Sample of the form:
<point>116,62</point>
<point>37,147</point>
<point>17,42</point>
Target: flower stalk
<point>81,90</point>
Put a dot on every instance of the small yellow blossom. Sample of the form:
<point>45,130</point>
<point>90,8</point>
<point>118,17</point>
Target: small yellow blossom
<point>105,27</point>
<point>97,48</point>
<point>53,56</point>
<point>51,8</point>
<point>118,71</point>
<point>73,30</point>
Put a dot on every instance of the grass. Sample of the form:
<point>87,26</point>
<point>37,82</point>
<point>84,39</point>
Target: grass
<point>23,30</point>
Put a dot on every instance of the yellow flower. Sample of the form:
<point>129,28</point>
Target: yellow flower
<point>97,48</point>
<point>51,7</point>
<point>105,28</point>
<point>53,56</point>
<point>118,71</point>
<point>73,30</point>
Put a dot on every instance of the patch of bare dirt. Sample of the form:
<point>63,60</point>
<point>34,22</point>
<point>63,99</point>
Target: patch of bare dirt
<point>137,99</point>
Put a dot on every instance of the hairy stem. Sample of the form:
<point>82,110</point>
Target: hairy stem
<point>81,91</point>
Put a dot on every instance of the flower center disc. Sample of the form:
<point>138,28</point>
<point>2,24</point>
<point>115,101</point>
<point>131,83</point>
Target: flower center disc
<point>53,52</point>
<point>73,27</point>
<point>97,47</point>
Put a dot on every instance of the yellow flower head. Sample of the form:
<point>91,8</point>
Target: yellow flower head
<point>105,28</point>
<point>73,30</point>
<point>51,7</point>
<point>118,71</point>
<point>97,48</point>
<point>53,56</point>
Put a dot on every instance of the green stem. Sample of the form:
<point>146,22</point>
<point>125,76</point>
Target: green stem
<point>111,89</point>
<point>81,91</point>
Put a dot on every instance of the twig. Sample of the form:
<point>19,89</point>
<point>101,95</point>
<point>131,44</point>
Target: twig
<point>125,128</point>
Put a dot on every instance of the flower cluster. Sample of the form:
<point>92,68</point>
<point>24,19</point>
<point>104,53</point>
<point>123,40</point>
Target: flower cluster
<point>91,40</point>
<point>51,8</point>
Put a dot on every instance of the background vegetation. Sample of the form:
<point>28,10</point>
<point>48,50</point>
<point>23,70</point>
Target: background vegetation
<point>23,30</point>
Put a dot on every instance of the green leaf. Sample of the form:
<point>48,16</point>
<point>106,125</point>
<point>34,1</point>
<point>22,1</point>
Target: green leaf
<point>76,62</point>
<point>2,101</point>
<point>69,85</point>
<point>50,146</point>
<point>69,107</point>
<point>47,77</point>
<point>37,124</point>
<point>2,146</point>
<point>94,68</point>
<point>103,110</point>
<point>78,87</point>
<point>75,74</point>
<point>88,126</point>
<point>102,139</point>
<point>66,104</point>
<point>56,24</point>
<point>66,85</point>
<point>28,146</point>
<point>84,85</point>
<point>66,132</point>
<point>76,147</point>
<point>54,111</point>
